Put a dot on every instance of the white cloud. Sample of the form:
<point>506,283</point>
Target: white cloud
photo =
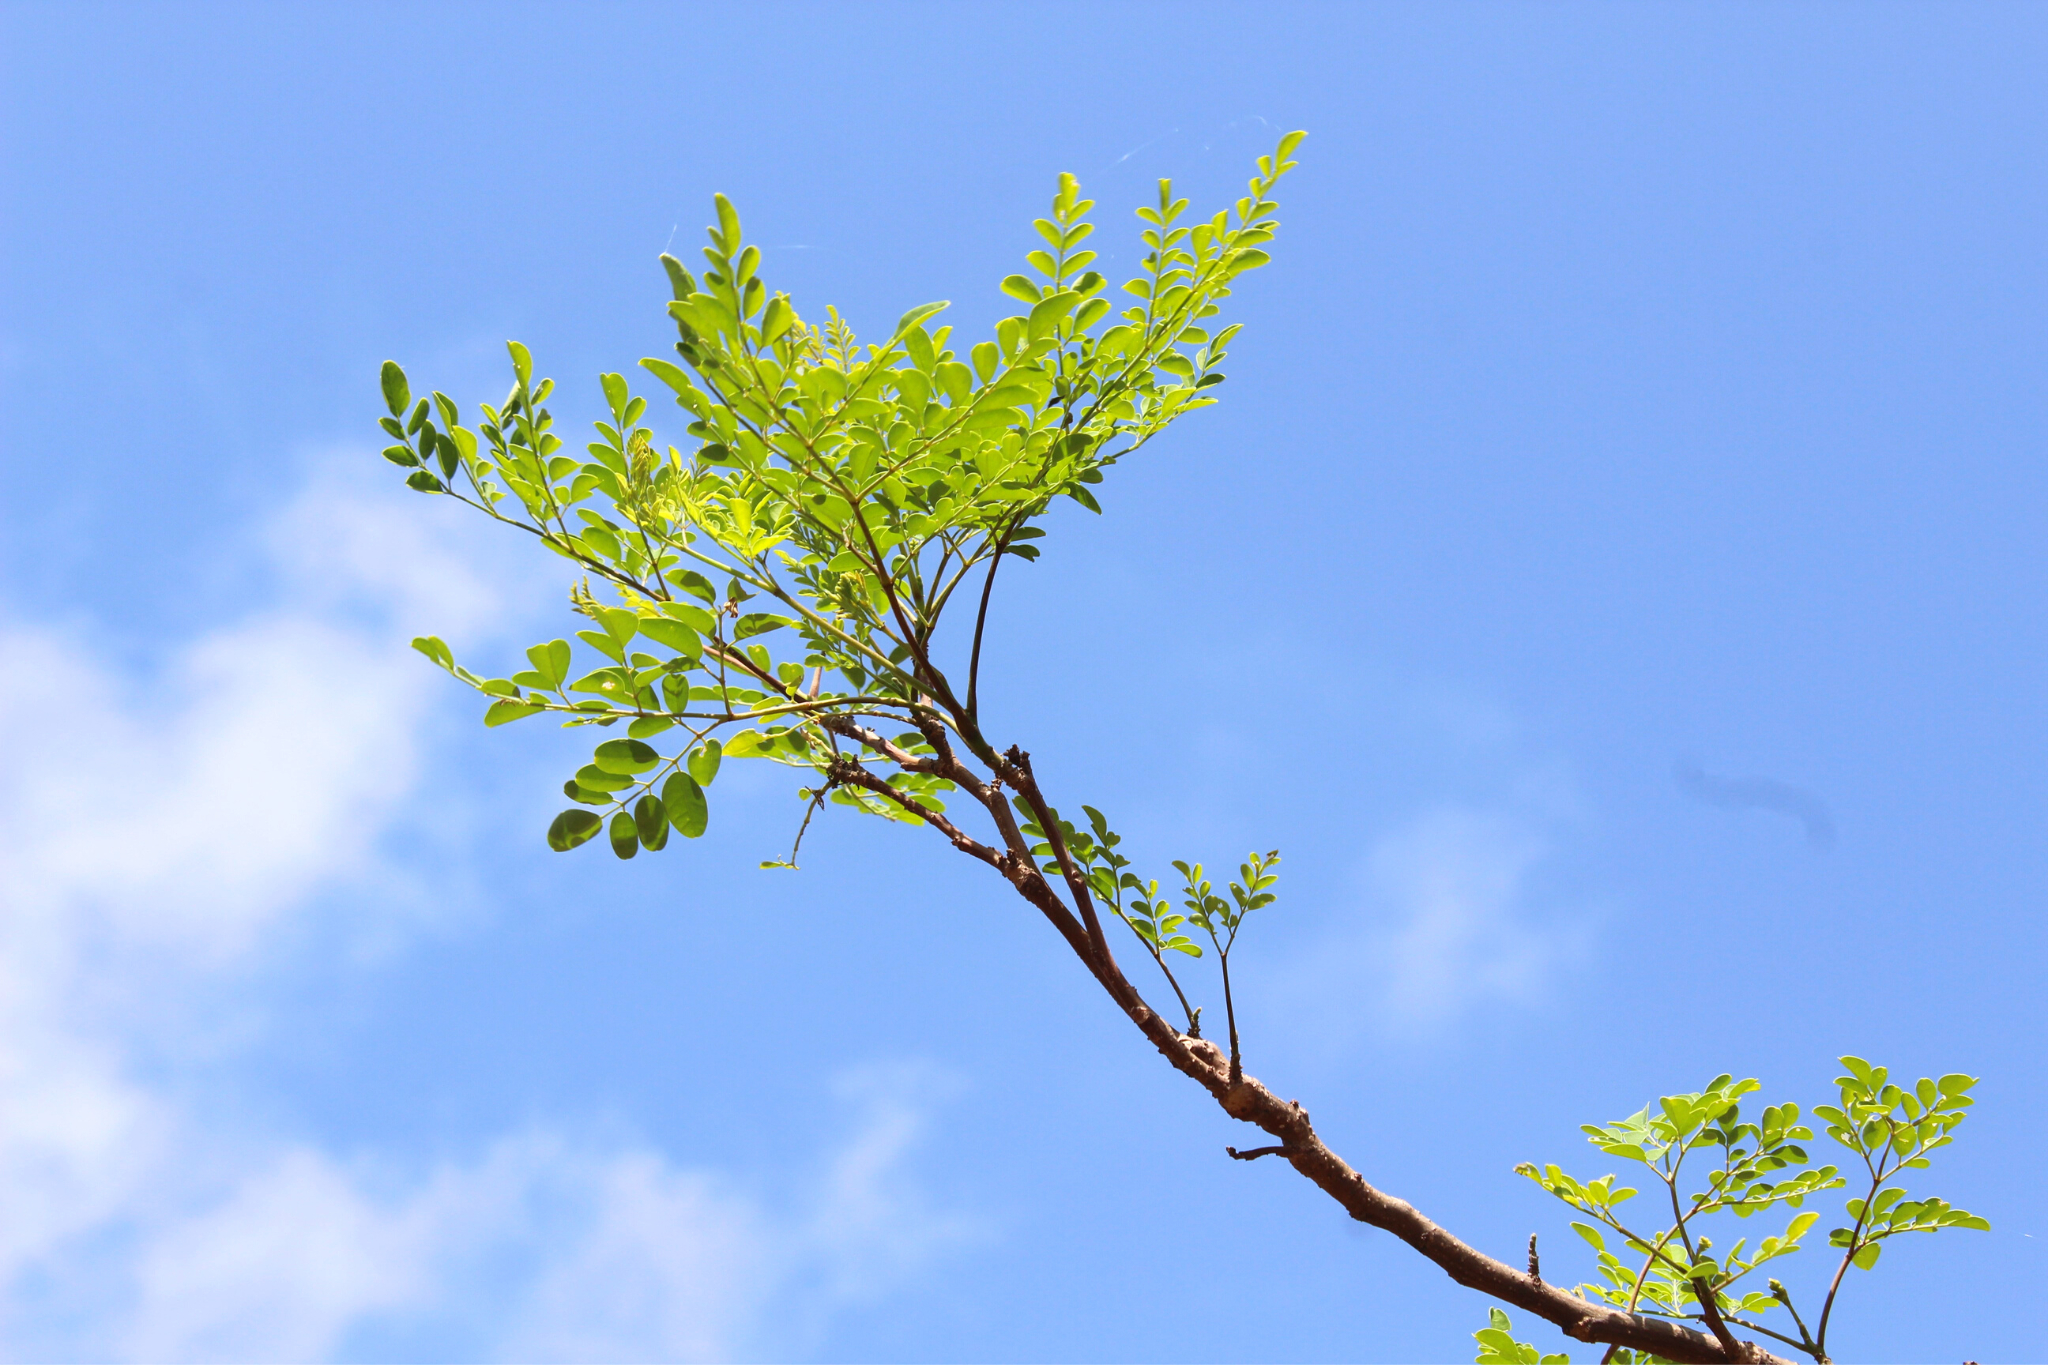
<point>1454,880</point>
<point>544,1248</point>
<point>164,840</point>
<point>277,1269</point>
<point>1446,926</point>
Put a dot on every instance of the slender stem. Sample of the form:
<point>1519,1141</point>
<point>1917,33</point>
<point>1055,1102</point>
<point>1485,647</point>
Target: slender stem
<point>981,620</point>
<point>1230,1016</point>
<point>1827,1308</point>
<point>1747,1326</point>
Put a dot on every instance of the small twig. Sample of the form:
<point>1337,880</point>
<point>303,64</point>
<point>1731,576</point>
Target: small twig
<point>1253,1154</point>
<point>816,801</point>
<point>1806,1342</point>
<point>1535,1266</point>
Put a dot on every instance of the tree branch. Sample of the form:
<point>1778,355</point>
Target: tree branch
<point>1246,1099</point>
<point>847,771</point>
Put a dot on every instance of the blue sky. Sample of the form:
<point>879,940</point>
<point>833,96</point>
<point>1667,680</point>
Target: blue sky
<point>1643,400</point>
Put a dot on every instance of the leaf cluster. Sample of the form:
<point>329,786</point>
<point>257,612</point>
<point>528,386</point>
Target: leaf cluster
<point>782,577</point>
<point>1497,1345</point>
<point>1707,1159</point>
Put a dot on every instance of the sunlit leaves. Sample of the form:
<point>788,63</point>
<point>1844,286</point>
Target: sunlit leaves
<point>572,827</point>
<point>857,487</point>
<point>683,800</point>
<point>550,663</point>
<point>397,393</point>
<point>1497,1345</point>
<point>1744,1166</point>
<point>625,835</point>
<point>434,649</point>
<point>651,822</point>
<point>625,757</point>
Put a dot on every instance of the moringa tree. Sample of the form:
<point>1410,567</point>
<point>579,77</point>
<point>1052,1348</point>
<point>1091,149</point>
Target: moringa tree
<point>777,595</point>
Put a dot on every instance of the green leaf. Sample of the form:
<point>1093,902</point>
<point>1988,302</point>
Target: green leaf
<point>590,777</point>
<point>703,762</point>
<point>433,648</point>
<point>1865,1258</point>
<point>746,744</point>
<point>917,315</point>
<point>671,375</point>
<point>684,801</point>
<point>678,278</point>
<point>618,622</point>
<point>759,623</point>
<point>572,827</point>
<point>625,836</point>
<point>650,820</point>
<point>505,709</point>
<point>603,644</point>
<point>626,757</point>
<point>1049,312</point>
<point>693,583</point>
<point>674,634</point>
<point>776,319</point>
<point>397,393</point>
<point>425,482</point>
<point>696,618</point>
<point>522,363</point>
<point>728,230</point>
<point>1020,287</point>
<point>551,661</point>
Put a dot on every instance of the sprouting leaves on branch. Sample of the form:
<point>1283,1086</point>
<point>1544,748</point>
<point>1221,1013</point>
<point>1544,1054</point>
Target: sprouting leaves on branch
<point>1674,1268</point>
<point>792,562</point>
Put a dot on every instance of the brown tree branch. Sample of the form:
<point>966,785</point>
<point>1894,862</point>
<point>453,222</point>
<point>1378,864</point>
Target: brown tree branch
<point>1077,885</point>
<point>1246,1099</point>
<point>1711,1311</point>
<point>847,771</point>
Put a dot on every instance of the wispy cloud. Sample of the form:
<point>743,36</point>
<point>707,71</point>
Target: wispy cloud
<point>167,838</point>
<point>1445,927</point>
<point>1453,881</point>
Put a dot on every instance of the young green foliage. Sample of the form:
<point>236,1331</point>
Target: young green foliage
<point>1752,1167</point>
<point>854,490</point>
<point>1497,1345</point>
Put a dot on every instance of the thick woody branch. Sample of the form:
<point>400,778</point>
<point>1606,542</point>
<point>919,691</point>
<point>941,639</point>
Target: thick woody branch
<point>1711,1311</point>
<point>1305,1151</point>
<point>1244,1098</point>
